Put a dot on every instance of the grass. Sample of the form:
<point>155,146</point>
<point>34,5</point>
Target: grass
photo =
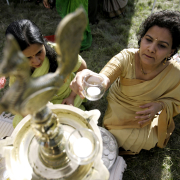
<point>110,36</point>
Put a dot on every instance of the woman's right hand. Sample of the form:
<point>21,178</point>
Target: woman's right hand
<point>46,4</point>
<point>77,83</point>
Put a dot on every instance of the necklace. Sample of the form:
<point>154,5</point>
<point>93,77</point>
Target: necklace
<point>142,70</point>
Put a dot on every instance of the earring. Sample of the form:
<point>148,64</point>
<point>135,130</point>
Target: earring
<point>165,61</point>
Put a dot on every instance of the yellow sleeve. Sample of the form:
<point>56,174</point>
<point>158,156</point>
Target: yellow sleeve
<point>12,79</point>
<point>79,62</point>
<point>119,65</point>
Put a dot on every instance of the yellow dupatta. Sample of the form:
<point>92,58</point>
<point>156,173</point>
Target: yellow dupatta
<point>126,95</point>
<point>63,92</point>
<point>44,69</point>
<point>37,72</point>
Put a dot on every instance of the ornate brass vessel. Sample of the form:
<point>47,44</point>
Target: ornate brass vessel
<point>36,150</point>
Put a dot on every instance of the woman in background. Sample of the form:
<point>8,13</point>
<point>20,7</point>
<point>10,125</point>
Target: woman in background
<point>42,59</point>
<point>114,7</point>
<point>65,7</point>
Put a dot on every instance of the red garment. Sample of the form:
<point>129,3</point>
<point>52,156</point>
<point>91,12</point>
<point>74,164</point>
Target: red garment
<point>50,38</point>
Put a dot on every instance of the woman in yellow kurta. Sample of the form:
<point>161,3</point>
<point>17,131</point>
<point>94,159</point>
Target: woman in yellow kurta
<point>145,91</point>
<point>42,58</point>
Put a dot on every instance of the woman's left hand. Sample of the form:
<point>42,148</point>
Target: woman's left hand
<point>69,100</point>
<point>148,114</point>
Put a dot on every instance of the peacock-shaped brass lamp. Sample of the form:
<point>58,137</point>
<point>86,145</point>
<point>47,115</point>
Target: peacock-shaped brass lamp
<point>57,142</point>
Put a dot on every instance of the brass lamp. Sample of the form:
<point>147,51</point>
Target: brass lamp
<point>37,149</point>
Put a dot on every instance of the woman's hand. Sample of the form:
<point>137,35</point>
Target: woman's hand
<point>77,83</point>
<point>148,114</point>
<point>69,100</point>
<point>46,4</point>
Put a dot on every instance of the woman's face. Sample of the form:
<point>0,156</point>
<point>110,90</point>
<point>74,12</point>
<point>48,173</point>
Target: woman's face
<point>36,54</point>
<point>156,45</point>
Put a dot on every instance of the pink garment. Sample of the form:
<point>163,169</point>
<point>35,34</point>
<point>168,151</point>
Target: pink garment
<point>2,82</point>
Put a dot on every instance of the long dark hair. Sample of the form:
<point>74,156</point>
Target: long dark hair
<point>165,19</point>
<point>26,33</point>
